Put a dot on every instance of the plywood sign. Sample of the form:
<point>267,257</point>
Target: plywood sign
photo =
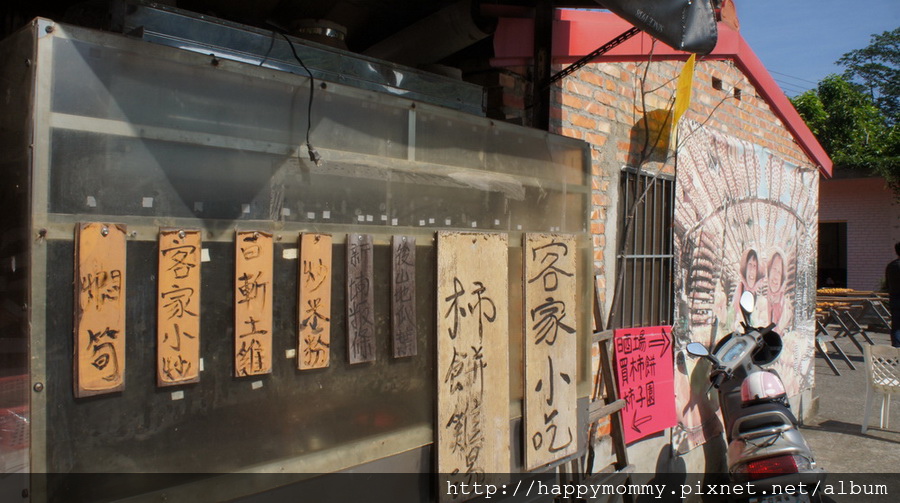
<point>403,296</point>
<point>253,303</point>
<point>99,365</point>
<point>550,348</point>
<point>360,299</point>
<point>472,353</point>
<point>178,308</point>
<point>314,301</point>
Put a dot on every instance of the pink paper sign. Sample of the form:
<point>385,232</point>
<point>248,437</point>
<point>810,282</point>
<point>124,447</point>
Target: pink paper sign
<point>646,379</point>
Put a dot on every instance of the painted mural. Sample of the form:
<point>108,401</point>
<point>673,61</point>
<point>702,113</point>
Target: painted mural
<point>745,220</point>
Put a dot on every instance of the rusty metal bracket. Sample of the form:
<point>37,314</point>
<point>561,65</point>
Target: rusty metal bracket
<point>612,44</point>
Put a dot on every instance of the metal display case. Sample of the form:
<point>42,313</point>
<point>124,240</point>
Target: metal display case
<point>99,127</point>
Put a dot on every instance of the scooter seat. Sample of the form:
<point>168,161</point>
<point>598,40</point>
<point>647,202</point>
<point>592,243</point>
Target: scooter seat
<point>760,417</point>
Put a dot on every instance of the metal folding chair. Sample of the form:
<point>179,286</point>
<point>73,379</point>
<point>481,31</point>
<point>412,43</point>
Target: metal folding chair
<point>823,336</point>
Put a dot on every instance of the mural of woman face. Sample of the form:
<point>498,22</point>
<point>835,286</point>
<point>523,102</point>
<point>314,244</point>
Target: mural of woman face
<point>776,273</point>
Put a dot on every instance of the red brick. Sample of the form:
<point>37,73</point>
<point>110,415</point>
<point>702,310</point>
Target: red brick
<point>604,98</point>
<point>578,88</point>
<point>592,78</point>
<point>572,101</point>
<point>582,121</point>
<point>572,133</point>
<point>595,108</point>
<point>595,139</point>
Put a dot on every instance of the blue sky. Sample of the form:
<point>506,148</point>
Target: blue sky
<point>799,40</point>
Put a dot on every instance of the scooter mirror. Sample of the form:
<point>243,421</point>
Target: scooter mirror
<point>697,349</point>
<point>748,302</point>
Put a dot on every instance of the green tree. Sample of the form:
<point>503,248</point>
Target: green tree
<point>876,67</point>
<point>855,132</point>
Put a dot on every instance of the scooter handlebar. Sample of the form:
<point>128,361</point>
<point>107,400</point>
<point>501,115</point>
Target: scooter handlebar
<point>718,380</point>
<point>767,329</point>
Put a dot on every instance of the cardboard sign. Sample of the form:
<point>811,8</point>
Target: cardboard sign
<point>472,353</point>
<point>403,296</point>
<point>253,303</point>
<point>646,378</point>
<point>550,348</point>
<point>99,363</point>
<point>360,299</point>
<point>178,308</point>
<point>314,344</point>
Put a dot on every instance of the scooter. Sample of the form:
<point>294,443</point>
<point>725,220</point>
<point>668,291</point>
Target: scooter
<point>765,447</point>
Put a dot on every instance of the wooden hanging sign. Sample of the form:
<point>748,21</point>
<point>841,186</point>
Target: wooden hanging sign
<point>253,303</point>
<point>550,348</point>
<point>403,296</point>
<point>472,353</point>
<point>178,307</point>
<point>314,344</point>
<point>99,362</point>
<point>360,299</point>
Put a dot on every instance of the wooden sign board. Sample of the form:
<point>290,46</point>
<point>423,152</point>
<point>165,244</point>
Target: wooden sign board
<point>360,299</point>
<point>253,303</point>
<point>178,308</point>
<point>550,348</point>
<point>472,353</point>
<point>99,360</point>
<point>403,296</point>
<point>314,343</point>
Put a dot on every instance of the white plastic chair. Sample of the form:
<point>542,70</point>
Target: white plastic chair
<point>883,369</point>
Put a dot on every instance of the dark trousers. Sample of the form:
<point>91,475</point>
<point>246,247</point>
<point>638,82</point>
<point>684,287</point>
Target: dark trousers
<point>895,321</point>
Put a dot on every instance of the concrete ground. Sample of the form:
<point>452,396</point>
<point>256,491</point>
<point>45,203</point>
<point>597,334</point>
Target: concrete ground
<point>834,433</point>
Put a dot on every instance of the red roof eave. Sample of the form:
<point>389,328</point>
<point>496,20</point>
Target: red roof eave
<point>578,32</point>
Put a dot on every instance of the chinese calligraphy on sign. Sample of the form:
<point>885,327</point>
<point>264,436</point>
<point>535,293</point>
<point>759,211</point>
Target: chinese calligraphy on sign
<point>178,308</point>
<point>315,301</point>
<point>646,378</point>
<point>473,354</point>
<point>403,296</point>
<point>253,303</point>
<point>99,309</point>
<point>360,299</point>
<point>550,348</point>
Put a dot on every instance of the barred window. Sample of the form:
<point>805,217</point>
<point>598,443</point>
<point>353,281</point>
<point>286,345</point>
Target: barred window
<point>646,297</point>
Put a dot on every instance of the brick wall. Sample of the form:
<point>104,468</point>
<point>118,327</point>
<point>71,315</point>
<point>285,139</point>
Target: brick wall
<point>603,105</point>
<point>873,225</point>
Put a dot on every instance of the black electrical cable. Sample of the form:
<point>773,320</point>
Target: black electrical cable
<point>314,155</point>
<point>269,50</point>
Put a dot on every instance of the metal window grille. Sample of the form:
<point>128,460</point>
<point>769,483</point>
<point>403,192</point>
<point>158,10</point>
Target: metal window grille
<point>646,297</point>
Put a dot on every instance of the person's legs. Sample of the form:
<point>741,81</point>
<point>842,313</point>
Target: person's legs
<point>895,322</point>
